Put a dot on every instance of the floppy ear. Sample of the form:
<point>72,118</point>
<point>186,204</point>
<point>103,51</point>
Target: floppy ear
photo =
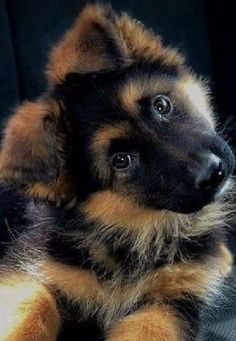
<point>93,44</point>
<point>33,147</point>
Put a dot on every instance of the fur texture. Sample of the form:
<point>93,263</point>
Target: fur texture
<point>120,196</point>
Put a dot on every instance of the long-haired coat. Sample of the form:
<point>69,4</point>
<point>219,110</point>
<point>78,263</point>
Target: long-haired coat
<point>124,179</point>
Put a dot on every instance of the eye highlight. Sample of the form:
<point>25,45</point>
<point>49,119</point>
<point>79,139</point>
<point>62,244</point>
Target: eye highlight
<point>162,105</point>
<point>122,161</point>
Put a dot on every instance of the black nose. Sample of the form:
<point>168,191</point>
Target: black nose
<point>211,173</point>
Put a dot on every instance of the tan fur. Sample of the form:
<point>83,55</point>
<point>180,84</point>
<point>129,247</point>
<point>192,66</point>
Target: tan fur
<point>100,144</point>
<point>24,140</point>
<point>135,89</point>
<point>27,145</point>
<point>102,256</point>
<point>104,135</point>
<point>192,95</point>
<point>114,209</point>
<point>226,260</point>
<point>108,299</point>
<point>113,298</point>
<point>81,50</point>
<point>197,278</point>
<point>76,284</point>
<point>156,323</point>
<point>28,312</point>
<point>144,43</point>
<point>58,190</point>
<point>140,42</point>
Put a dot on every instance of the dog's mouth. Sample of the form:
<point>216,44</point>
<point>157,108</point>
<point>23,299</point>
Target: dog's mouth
<point>191,203</point>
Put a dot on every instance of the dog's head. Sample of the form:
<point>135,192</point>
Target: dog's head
<point>126,126</point>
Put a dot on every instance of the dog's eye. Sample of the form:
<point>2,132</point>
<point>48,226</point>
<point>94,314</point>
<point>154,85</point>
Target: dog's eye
<point>122,161</point>
<point>162,105</point>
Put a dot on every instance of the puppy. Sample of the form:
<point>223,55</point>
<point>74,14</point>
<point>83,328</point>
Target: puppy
<point>124,179</point>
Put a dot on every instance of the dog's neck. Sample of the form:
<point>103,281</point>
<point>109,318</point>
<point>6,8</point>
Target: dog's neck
<point>109,251</point>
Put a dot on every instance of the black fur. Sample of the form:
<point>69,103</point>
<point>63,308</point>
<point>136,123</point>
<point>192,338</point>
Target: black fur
<point>189,309</point>
<point>13,217</point>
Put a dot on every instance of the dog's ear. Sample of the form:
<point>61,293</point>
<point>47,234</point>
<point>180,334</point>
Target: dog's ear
<point>33,146</point>
<point>92,45</point>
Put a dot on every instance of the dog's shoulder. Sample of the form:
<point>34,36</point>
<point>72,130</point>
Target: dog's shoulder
<point>13,217</point>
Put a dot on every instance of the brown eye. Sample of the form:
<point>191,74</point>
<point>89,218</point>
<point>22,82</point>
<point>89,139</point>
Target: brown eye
<point>122,161</point>
<point>162,105</point>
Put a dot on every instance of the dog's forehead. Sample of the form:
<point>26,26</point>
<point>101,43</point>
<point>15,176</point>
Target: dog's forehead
<point>192,95</point>
<point>189,94</point>
<point>142,86</point>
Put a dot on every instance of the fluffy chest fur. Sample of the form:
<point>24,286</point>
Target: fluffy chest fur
<point>109,276</point>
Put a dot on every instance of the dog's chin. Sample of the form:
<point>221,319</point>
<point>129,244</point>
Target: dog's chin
<point>188,207</point>
<point>185,205</point>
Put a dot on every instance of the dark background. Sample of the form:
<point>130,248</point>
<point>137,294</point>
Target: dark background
<point>203,30</point>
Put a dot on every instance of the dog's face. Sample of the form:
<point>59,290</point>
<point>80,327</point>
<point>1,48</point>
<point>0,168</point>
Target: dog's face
<point>134,123</point>
<point>147,134</point>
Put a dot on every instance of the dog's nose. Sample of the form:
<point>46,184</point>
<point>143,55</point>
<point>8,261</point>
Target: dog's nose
<point>211,173</point>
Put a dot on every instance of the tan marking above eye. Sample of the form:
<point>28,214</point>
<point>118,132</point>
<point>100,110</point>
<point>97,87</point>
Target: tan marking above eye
<point>105,134</point>
<point>101,142</point>
<point>192,96</point>
<point>137,88</point>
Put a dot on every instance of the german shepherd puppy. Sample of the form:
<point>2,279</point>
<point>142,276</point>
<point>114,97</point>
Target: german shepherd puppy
<point>124,179</point>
